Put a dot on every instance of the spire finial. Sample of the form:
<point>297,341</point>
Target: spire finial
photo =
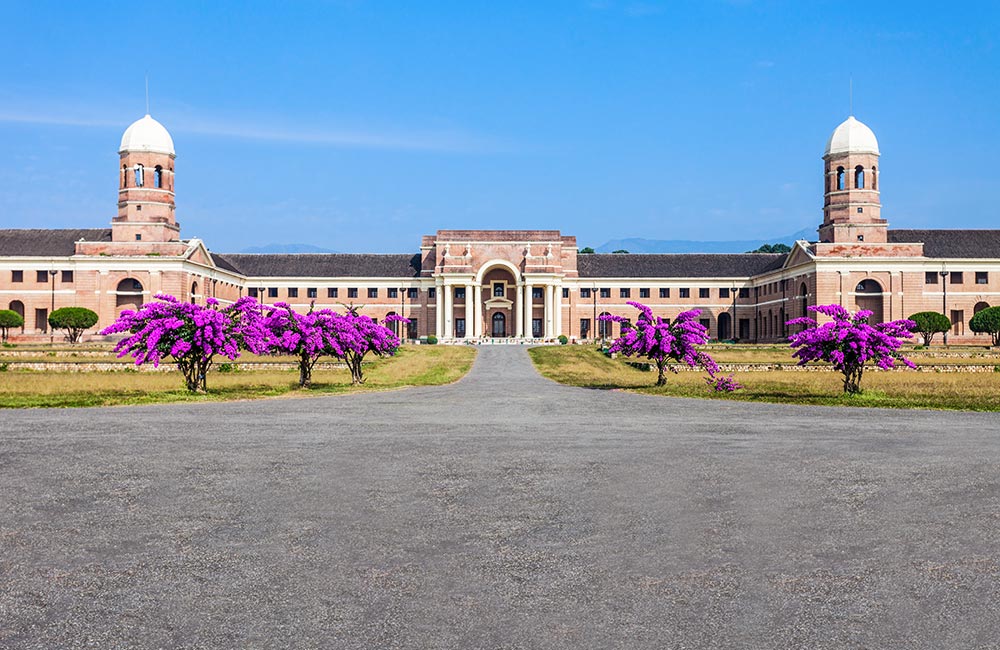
<point>147,93</point>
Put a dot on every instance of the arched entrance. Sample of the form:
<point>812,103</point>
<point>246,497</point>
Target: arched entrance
<point>725,326</point>
<point>499,328</point>
<point>979,307</point>
<point>17,307</point>
<point>868,295</point>
<point>129,295</point>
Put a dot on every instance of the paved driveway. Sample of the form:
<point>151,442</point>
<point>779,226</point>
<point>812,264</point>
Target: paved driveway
<point>502,512</point>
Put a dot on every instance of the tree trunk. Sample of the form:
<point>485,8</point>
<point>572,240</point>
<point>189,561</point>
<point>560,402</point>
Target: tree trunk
<point>852,380</point>
<point>661,379</point>
<point>305,371</point>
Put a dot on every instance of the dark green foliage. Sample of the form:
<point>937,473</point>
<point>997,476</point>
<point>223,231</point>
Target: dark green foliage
<point>773,248</point>
<point>563,339</point>
<point>620,251</point>
<point>432,340</point>
<point>930,323</point>
<point>587,250</point>
<point>9,319</point>
<point>987,322</point>
<point>75,320</point>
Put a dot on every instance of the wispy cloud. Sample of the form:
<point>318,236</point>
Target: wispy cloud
<point>448,141</point>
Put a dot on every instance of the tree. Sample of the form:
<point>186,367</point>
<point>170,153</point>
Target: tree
<point>620,251</point>
<point>662,341</point>
<point>188,333</point>
<point>929,323</point>
<point>9,319</point>
<point>359,335</point>
<point>773,248</point>
<point>587,250</point>
<point>849,342</point>
<point>75,320</point>
<point>987,321</point>
<point>306,336</point>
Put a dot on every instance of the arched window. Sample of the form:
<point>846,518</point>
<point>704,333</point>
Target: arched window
<point>868,286</point>
<point>874,178</point>
<point>859,177</point>
<point>979,307</point>
<point>194,292</point>
<point>804,296</point>
<point>124,176</point>
<point>393,325</point>
<point>604,327</point>
<point>158,177</point>
<point>840,178</point>
<point>17,307</point>
<point>129,295</point>
<point>139,181</point>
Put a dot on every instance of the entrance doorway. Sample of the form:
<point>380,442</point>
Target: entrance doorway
<point>499,325</point>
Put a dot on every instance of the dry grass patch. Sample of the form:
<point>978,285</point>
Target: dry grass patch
<point>587,367</point>
<point>412,366</point>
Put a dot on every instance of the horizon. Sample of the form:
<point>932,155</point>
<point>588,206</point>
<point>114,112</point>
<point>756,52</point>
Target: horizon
<point>360,128</point>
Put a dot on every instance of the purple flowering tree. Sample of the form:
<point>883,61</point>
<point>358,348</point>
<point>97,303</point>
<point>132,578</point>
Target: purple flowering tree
<point>359,335</point>
<point>189,334</point>
<point>305,336</point>
<point>662,342</point>
<point>849,342</point>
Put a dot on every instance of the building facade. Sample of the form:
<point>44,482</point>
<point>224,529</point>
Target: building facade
<point>511,284</point>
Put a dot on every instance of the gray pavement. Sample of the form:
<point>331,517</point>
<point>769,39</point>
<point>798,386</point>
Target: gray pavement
<point>502,512</point>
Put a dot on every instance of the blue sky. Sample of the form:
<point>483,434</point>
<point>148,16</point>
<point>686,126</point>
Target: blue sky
<point>359,126</point>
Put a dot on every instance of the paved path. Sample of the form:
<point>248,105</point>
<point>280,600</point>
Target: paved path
<point>502,512</point>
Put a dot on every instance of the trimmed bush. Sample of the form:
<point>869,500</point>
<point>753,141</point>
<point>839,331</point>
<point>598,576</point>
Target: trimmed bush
<point>9,319</point>
<point>987,322</point>
<point>929,323</point>
<point>75,320</point>
<point>563,339</point>
<point>432,340</point>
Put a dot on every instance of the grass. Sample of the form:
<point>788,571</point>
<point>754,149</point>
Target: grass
<point>412,366</point>
<point>587,367</point>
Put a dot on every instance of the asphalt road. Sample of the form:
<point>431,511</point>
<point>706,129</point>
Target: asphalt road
<point>502,512</point>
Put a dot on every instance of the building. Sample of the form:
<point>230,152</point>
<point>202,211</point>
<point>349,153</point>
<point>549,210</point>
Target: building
<point>520,284</point>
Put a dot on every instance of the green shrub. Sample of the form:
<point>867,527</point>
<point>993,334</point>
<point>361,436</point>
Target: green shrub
<point>432,340</point>
<point>563,339</point>
<point>930,323</point>
<point>75,320</point>
<point>4,367</point>
<point>9,319</point>
<point>987,322</point>
<point>228,367</point>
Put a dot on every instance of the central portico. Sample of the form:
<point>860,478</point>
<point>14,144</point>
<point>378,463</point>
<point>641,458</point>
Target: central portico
<point>498,283</point>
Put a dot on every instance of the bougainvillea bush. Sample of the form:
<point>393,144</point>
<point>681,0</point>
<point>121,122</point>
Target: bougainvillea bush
<point>306,336</point>
<point>849,342</point>
<point>359,335</point>
<point>189,334</point>
<point>662,342</point>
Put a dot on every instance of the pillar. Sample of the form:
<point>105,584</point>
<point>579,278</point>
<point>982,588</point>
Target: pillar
<point>478,306</point>
<point>527,310</point>
<point>519,310</point>
<point>558,315</point>
<point>449,309</point>
<point>470,324</point>
<point>549,304</point>
<point>439,312</point>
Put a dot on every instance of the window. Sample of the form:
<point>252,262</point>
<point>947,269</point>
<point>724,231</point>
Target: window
<point>499,290</point>
<point>536,292</point>
<point>565,293</point>
<point>393,293</point>
<point>124,175</point>
<point>460,293</point>
<point>644,293</point>
<point>704,292</point>
<point>536,328</point>
<point>625,293</point>
<point>585,293</point>
<point>158,177</point>
<point>723,293</point>
<point>685,292</point>
<point>17,276</point>
<point>139,180</point>
<point>352,292</point>
<point>874,180</point>
<point>412,293</point>
<point>982,277</point>
<point>272,292</point>
<point>41,276</point>
<point>958,322</point>
<point>605,293</point>
<point>840,178</point>
<point>744,292</point>
<point>67,276</point>
<point>373,293</point>
<point>584,328</point>
<point>311,292</point>
<point>42,320</point>
<point>252,292</point>
<point>138,236</point>
<point>930,277</point>
<point>331,292</point>
<point>956,277</point>
<point>707,324</point>
<point>665,292</point>
<point>604,326</point>
<point>432,293</point>
<point>293,292</point>
<point>859,177</point>
<point>460,328</point>
<point>412,331</point>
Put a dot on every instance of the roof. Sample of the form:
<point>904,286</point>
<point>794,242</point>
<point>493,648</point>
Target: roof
<point>147,134</point>
<point>331,265</point>
<point>47,242</point>
<point>691,265</point>
<point>952,243</point>
<point>852,136</point>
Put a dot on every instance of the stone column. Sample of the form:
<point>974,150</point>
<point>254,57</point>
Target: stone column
<point>478,306</point>
<point>519,310</point>
<point>449,309</point>
<point>527,310</point>
<point>549,304</point>
<point>558,311</point>
<point>470,315</point>
<point>439,312</point>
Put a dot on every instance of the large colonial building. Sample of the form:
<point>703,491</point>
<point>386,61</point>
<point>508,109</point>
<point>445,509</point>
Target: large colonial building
<point>522,284</point>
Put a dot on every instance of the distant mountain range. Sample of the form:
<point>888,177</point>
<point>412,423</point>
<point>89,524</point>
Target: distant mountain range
<point>287,248</point>
<point>639,245</point>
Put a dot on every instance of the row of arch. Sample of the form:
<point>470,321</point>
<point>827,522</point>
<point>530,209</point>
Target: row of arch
<point>138,173</point>
<point>840,181</point>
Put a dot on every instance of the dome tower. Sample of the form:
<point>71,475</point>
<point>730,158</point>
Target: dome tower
<point>852,210</point>
<point>146,185</point>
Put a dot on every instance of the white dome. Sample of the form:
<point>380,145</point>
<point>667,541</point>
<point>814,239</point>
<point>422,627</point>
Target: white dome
<point>852,136</point>
<point>147,135</point>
